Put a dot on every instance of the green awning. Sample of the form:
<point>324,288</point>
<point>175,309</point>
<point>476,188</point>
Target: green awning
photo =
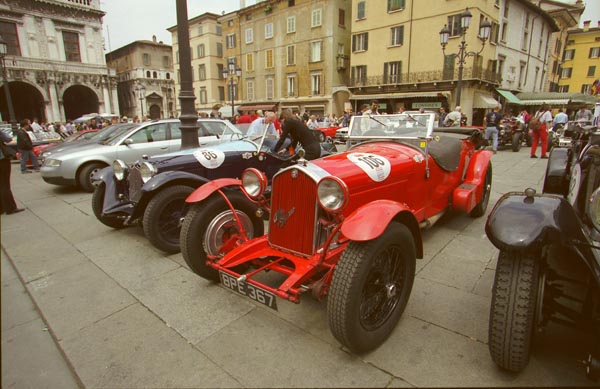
<point>510,98</point>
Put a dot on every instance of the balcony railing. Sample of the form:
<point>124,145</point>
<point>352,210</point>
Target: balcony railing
<point>429,76</point>
<point>83,3</point>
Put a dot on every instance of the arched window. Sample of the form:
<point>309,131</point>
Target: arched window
<point>154,75</point>
<point>148,74</point>
<point>168,76</point>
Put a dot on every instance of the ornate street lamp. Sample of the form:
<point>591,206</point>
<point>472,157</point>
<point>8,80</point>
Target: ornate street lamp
<point>236,73</point>
<point>141,92</point>
<point>484,33</point>
<point>11,110</point>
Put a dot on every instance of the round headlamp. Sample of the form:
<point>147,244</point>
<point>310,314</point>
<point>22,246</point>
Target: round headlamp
<point>254,182</point>
<point>333,194</point>
<point>147,171</point>
<point>120,169</point>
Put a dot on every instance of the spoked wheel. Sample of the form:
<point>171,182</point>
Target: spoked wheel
<point>162,217</point>
<point>370,288</point>
<point>481,207</point>
<point>517,295</point>
<point>210,230</point>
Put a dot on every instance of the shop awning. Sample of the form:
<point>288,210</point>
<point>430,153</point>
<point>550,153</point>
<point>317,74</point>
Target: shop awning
<point>510,98</point>
<point>403,95</point>
<point>547,101</point>
<point>483,101</point>
<point>264,107</point>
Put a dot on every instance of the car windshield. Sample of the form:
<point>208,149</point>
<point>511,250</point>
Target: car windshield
<point>396,126</point>
<point>116,134</point>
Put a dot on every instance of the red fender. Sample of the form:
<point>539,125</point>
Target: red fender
<point>370,220</point>
<point>211,187</point>
<point>468,194</point>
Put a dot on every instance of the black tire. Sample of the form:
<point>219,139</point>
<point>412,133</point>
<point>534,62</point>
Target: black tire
<point>84,178</point>
<point>97,205</point>
<point>481,207</point>
<point>516,142</point>
<point>207,222</point>
<point>368,272</point>
<point>513,310</point>
<point>162,216</point>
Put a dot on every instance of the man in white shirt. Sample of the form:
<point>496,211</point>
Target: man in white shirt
<point>312,123</point>
<point>258,126</point>
<point>35,126</point>
<point>453,118</point>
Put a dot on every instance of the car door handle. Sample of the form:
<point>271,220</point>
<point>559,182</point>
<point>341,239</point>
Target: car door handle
<point>164,148</point>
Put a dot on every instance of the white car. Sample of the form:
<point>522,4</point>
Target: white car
<point>75,167</point>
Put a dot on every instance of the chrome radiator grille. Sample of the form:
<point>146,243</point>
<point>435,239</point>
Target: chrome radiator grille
<point>135,184</point>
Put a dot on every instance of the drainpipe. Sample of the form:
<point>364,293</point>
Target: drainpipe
<point>529,49</point>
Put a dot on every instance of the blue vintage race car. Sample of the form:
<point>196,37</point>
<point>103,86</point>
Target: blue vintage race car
<point>154,189</point>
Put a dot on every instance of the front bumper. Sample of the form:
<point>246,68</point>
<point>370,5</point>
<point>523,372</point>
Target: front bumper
<point>61,181</point>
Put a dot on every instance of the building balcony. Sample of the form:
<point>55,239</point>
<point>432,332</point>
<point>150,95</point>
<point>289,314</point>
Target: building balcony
<point>90,4</point>
<point>426,77</point>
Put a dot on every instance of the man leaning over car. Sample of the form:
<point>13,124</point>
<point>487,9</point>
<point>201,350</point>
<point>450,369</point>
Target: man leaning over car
<point>299,133</point>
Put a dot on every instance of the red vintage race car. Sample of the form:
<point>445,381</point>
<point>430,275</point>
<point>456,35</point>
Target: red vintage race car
<point>323,132</point>
<point>347,226</point>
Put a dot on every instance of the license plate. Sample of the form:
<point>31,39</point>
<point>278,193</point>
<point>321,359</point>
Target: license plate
<point>255,293</point>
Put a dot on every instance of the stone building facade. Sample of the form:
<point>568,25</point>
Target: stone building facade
<point>55,63</point>
<point>146,86</point>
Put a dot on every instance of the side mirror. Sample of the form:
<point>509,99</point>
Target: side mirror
<point>128,141</point>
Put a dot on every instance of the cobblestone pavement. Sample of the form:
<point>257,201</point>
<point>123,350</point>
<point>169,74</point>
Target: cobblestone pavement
<point>89,306</point>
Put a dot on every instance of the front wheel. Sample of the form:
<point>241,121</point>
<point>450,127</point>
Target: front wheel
<point>481,207</point>
<point>512,314</point>
<point>98,205</point>
<point>370,288</point>
<point>84,178</point>
<point>516,142</point>
<point>210,225</point>
<point>162,217</point>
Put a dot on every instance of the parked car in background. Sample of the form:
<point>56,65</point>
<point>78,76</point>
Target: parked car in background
<point>511,131</point>
<point>322,133</point>
<point>78,136</point>
<point>91,138</point>
<point>75,166</point>
<point>549,262</point>
<point>346,226</point>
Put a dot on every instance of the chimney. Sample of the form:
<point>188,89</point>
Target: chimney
<point>154,38</point>
<point>586,25</point>
<point>242,4</point>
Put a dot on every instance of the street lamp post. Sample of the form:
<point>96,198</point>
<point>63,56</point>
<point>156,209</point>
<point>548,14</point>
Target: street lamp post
<point>484,33</point>
<point>11,110</point>
<point>141,91</point>
<point>232,72</point>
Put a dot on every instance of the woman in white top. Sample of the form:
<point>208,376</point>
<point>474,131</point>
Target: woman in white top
<point>545,117</point>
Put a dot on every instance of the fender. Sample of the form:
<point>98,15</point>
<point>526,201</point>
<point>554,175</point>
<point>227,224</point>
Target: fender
<point>164,178</point>
<point>211,187</point>
<point>468,194</point>
<point>103,175</point>
<point>556,180</point>
<point>370,221</point>
<point>521,222</point>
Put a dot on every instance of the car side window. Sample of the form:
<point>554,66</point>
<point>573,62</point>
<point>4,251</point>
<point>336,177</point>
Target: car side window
<point>175,130</point>
<point>153,133</point>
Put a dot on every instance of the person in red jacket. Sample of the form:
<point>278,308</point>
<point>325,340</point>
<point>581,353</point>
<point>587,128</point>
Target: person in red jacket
<point>244,118</point>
